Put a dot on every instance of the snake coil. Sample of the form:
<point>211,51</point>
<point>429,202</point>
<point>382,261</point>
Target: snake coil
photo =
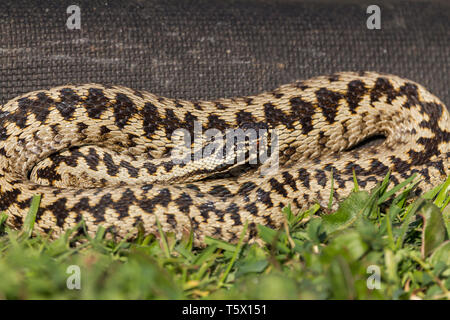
<point>101,153</point>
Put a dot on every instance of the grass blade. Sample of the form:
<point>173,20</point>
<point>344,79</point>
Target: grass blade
<point>30,219</point>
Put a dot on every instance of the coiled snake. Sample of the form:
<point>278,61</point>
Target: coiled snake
<point>102,153</point>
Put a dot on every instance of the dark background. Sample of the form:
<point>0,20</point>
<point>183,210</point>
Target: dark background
<point>212,49</point>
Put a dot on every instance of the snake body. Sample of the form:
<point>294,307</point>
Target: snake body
<point>101,154</point>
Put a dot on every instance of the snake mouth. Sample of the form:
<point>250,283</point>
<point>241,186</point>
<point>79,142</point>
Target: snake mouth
<point>370,141</point>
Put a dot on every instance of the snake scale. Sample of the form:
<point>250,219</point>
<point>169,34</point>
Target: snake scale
<point>98,153</point>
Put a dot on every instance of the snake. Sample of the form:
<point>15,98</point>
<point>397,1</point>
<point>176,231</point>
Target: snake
<point>102,155</point>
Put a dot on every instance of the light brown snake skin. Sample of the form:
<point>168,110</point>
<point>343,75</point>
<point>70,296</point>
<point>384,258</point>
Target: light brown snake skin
<point>96,152</point>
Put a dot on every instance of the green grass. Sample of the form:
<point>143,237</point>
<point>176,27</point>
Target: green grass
<point>315,256</point>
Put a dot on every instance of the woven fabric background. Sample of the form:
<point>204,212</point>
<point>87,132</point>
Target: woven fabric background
<point>210,49</point>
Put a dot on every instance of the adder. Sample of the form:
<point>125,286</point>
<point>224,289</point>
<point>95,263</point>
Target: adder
<point>102,154</point>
